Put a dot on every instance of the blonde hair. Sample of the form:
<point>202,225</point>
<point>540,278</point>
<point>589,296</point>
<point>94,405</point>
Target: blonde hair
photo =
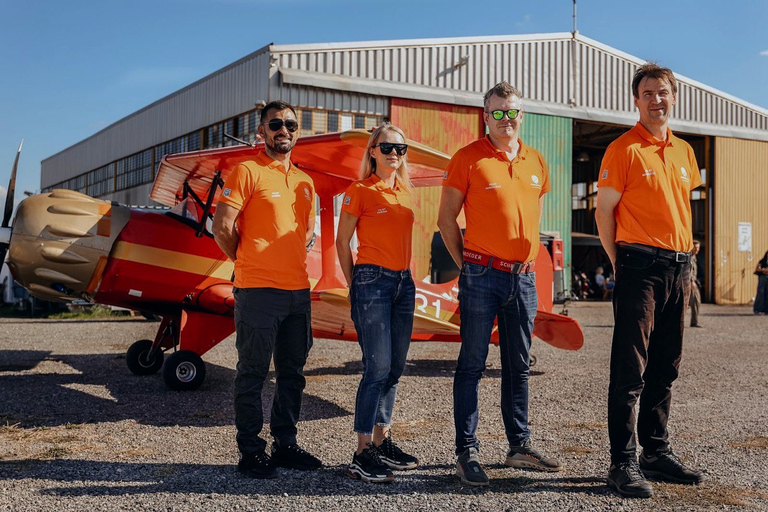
<point>368,165</point>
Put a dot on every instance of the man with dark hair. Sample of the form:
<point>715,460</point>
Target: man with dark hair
<point>500,182</point>
<point>264,222</point>
<point>644,219</point>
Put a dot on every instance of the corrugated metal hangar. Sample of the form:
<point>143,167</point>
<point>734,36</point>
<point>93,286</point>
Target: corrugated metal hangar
<point>578,99</point>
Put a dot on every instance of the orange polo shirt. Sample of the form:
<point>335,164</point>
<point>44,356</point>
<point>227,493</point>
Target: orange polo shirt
<point>275,206</point>
<point>384,222</point>
<point>501,198</point>
<point>655,179</point>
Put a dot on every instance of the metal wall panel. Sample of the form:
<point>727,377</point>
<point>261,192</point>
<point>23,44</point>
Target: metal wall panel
<point>552,68</point>
<point>446,128</point>
<point>553,137</point>
<point>740,187</point>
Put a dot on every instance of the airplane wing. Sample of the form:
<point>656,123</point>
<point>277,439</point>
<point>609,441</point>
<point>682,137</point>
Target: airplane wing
<point>332,160</point>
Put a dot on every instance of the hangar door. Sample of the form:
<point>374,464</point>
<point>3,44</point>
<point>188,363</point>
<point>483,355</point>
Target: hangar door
<point>445,128</point>
<point>741,209</point>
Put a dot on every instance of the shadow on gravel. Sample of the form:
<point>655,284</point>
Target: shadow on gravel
<point>93,478</point>
<point>413,368</point>
<point>37,389</point>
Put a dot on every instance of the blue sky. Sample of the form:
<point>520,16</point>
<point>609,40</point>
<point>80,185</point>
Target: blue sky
<point>69,69</point>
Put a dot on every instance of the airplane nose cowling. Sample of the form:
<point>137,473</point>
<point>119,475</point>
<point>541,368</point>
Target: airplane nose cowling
<point>61,241</point>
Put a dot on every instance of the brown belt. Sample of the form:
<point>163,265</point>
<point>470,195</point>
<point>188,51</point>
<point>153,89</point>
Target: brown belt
<point>513,267</point>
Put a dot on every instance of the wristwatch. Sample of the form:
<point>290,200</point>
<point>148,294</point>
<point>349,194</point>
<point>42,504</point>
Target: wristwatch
<point>312,241</point>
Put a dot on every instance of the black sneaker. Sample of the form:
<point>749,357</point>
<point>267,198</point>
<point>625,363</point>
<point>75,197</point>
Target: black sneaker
<point>391,455</point>
<point>294,457</point>
<point>526,457</point>
<point>628,481</point>
<point>468,468</point>
<point>258,465</point>
<point>368,467</point>
<point>669,468</point>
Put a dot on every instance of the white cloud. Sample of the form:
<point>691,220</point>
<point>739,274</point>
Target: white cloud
<point>764,53</point>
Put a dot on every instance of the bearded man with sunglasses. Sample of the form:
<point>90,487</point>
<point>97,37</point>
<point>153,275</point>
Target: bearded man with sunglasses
<point>265,223</point>
<point>500,182</point>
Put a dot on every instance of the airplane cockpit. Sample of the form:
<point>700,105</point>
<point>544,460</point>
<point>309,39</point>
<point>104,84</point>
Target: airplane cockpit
<point>190,212</point>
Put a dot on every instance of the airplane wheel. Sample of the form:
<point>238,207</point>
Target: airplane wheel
<point>184,371</point>
<point>136,358</point>
<point>533,360</point>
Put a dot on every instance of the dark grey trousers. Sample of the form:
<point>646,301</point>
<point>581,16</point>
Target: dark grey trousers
<point>270,322</point>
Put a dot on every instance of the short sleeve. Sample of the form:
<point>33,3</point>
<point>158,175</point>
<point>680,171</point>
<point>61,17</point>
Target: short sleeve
<point>457,173</point>
<point>696,180</point>
<point>238,187</point>
<point>614,169</point>
<point>546,186</point>
<point>352,202</point>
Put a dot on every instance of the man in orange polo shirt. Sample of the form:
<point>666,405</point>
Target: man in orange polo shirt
<point>644,219</point>
<point>500,182</point>
<point>264,222</point>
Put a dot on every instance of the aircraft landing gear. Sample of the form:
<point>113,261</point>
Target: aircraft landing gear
<point>184,371</point>
<point>138,361</point>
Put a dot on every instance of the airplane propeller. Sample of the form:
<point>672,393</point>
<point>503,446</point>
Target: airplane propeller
<point>5,230</point>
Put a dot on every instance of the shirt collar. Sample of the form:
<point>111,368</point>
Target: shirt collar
<point>379,183</point>
<point>264,159</point>
<point>643,132</point>
<point>522,149</point>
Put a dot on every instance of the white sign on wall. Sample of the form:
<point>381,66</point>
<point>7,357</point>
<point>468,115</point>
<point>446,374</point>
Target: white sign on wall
<point>745,237</point>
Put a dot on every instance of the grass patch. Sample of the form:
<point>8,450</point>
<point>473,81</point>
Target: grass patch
<point>93,312</point>
<point>577,450</point>
<point>590,425</point>
<point>55,452</point>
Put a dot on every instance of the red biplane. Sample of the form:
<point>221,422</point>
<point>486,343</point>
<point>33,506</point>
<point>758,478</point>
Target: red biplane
<point>65,245</point>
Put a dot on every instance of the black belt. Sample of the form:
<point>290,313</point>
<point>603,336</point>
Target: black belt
<point>658,252</point>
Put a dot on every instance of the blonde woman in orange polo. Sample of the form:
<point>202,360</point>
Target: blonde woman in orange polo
<point>382,295</point>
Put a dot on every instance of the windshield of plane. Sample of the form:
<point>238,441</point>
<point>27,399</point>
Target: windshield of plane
<point>187,209</point>
<point>189,212</point>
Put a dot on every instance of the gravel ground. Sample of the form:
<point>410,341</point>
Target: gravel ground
<point>79,432</point>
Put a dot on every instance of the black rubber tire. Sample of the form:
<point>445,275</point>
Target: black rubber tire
<point>184,371</point>
<point>136,358</point>
<point>533,361</point>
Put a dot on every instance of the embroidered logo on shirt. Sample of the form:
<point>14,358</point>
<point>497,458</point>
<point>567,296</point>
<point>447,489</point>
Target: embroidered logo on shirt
<point>226,192</point>
<point>535,181</point>
<point>492,185</point>
<point>306,194</point>
<point>445,175</point>
<point>684,174</point>
<point>381,210</point>
<point>649,172</point>
<point>275,194</point>
<point>347,199</point>
<point>605,174</point>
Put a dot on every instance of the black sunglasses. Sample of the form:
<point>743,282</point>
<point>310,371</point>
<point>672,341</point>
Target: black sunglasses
<point>387,147</point>
<point>276,124</point>
<point>499,114</point>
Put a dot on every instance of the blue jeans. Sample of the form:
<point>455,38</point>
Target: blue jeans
<point>382,309</point>
<point>485,294</point>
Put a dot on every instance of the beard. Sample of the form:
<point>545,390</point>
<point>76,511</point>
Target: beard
<point>282,146</point>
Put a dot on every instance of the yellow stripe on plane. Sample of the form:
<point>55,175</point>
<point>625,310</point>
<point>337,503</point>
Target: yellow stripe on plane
<point>174,260</point>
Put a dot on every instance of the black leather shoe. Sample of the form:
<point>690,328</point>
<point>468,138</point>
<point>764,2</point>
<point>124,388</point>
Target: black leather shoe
<point>294,457</point>
<point>257,465</point>
<point>668,467</point>
<point>628,481</point>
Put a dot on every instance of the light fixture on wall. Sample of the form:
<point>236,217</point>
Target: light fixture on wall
<point>583,156</point>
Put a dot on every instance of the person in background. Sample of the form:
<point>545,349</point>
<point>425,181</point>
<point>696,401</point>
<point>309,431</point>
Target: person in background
<point>695,299</point>
<point>264,223</point>
<point>500,183</point>
<point>644,219</point>
<point>382,296</point>
<point>761,297</point>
